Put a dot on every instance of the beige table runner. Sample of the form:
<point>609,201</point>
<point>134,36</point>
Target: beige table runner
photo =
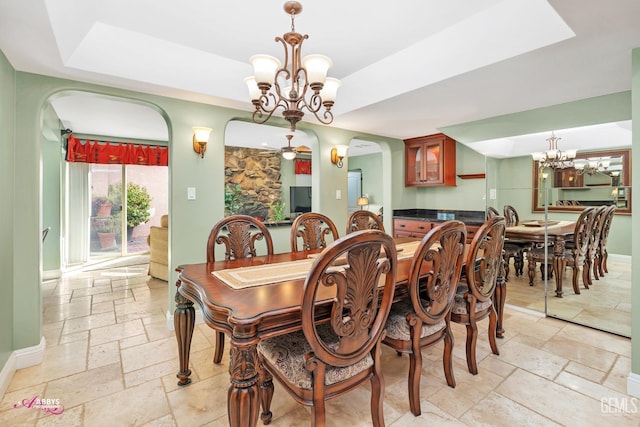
<point>246,277</point>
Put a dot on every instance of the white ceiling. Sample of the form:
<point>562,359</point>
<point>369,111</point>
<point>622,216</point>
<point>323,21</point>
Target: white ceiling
<point>407,67</point>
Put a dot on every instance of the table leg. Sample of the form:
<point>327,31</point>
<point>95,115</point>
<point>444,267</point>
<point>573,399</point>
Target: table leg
<point>243,397</point>
<point>559,263</point>
<point>499,298</point>
<point>184,319</point>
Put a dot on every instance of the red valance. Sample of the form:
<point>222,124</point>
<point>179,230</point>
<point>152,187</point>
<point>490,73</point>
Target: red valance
<point>303,166</point>
<point>121,153</point>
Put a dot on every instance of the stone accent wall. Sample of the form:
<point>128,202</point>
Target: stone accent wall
<point>258,174</point>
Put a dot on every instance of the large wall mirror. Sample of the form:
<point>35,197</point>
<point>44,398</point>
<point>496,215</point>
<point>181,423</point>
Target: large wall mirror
<point>597,178</point>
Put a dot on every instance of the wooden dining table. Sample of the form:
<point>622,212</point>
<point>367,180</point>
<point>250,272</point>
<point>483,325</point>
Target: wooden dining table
<point>256,298</point>
<point>557,232</point>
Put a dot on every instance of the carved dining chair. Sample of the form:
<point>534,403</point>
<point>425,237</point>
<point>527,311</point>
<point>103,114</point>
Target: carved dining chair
<point>331,358</point>
<point>514,248</point>
<point>575,252</point>
<point>602,254</point>
<point>364,220</point>
<point>424,319</point>
<point>238,234</point>
<point>594,241</point>
<point>491,212</point>
<point>312,228</point>
<point>474,294</point>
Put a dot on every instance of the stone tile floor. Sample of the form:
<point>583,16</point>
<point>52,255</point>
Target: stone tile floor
<point>111,361</point>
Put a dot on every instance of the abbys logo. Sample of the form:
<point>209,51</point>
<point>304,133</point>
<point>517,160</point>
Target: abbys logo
<point>619,405</point>
<point>48,406</point>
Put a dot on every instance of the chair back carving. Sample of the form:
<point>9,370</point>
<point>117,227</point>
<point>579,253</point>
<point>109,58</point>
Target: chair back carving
<point>312,228</point>
<point>596,231</point>
<point>511,216</point>
<point>361,304</point>
<point>484,259</point>
<point>364,220</point>
<point>238,233</point>
<point>442,250</point>
<point>606,225</point>
<point>492,212</point>
<point>582,235</point>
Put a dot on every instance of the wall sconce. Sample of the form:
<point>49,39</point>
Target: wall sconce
<point>200,139</point>
<point>338,153</point>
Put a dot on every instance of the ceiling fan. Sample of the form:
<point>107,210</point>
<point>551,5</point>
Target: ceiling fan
<point>288,152</point>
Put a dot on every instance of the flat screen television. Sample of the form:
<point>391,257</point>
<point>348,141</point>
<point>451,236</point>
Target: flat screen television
<point>300,199</point>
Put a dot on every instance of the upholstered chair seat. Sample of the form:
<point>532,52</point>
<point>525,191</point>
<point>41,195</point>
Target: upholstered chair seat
<point>460,305</point>
<point>398,327</point>
<point>288,353</point>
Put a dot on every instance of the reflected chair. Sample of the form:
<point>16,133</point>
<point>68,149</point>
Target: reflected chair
<point>491,212</point>
<point>474,294</point>
<point>514,248</point>
<point>239,234</point>
<point>602,253</point>
<point>594,241</point>
<point>312,228</point>
<point>330,358</point>
<point>364,220</point>
<point>423,319</point>
<point>575,252</point>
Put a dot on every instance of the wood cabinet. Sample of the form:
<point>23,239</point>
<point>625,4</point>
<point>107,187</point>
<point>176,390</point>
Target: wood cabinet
<point>410,228</point>
<point>565,178</point>
<point>417,228</point>
<point>430,161</point>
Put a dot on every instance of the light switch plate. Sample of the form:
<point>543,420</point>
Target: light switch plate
<point>492,193</point>
<point>338,194</point>
<point>191,193</point>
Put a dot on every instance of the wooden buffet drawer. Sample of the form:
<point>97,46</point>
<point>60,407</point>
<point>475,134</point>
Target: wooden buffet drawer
<point>409,228</point>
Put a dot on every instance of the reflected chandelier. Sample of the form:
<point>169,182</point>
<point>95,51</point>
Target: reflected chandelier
<point>554,158</point>
<point>298,84</point>
<point>591,166</point>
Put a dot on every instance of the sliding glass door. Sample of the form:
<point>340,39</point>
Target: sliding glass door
<point>107,219</point>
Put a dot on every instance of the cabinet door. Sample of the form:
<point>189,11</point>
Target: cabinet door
<point>430,161</point>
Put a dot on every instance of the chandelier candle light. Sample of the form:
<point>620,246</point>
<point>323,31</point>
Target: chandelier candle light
<point>298,84</point>
<point>554,158</point>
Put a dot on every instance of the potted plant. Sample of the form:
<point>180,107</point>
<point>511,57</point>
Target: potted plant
<point>101,207</point>
<point>107,229</point>
<point>233,199</point>
<point>138,204</point>
<point>277,210</point>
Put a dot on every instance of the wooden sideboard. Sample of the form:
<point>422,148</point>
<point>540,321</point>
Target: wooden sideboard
<point>419,228</point>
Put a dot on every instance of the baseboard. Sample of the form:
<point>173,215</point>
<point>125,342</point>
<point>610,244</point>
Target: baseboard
<point>22,358</point>
<point>633,385</point>
<point>6,374</point>
<point>51,274</point>
<point>169,319</point>
<point>30,356</point>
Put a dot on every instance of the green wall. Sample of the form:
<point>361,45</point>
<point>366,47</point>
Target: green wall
<point>51,191</point>
<point>7,195</point>
<point>635,203</point>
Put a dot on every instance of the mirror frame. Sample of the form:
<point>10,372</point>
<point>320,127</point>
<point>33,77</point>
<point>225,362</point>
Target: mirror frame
<point>625,178</point>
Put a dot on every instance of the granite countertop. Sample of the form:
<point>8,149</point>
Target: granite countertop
<point>440,215</point>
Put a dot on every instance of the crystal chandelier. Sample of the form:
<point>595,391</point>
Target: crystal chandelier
<point>298,84</point>
<point>554,158</point>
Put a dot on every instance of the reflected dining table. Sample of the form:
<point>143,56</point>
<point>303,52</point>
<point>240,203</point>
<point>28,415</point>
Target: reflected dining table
<point>558,232</point>
<point>255,298</point>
